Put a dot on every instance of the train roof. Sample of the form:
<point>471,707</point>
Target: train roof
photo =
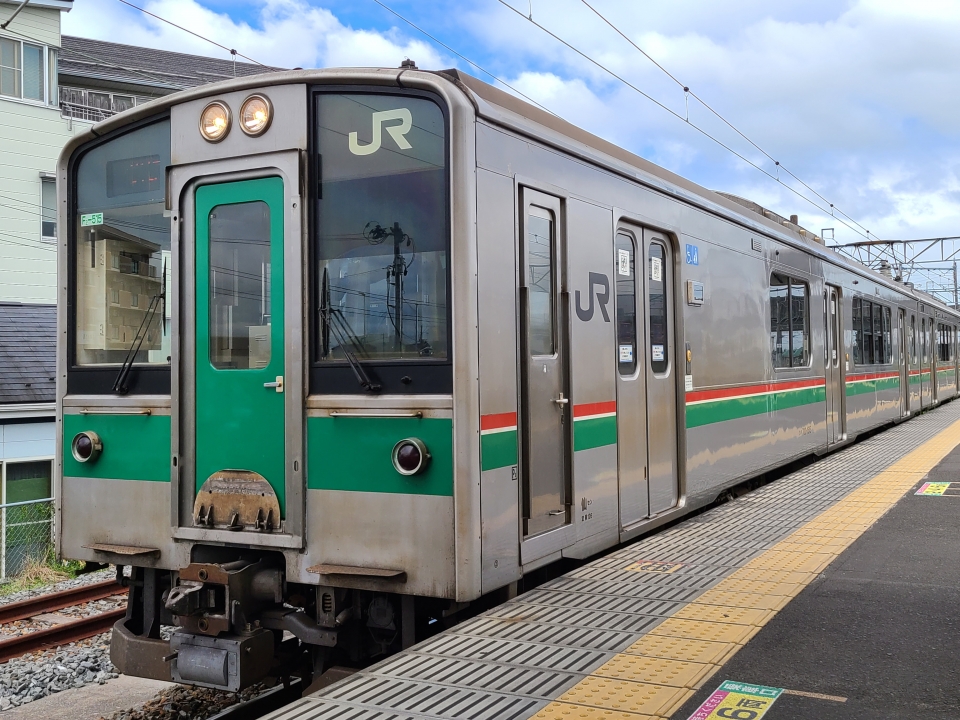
<point>502,108</point>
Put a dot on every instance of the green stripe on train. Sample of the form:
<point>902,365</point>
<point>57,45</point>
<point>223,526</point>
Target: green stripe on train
<point>135,447</point>
<point>594,432</point>
<point>498,450</point>
<point>345,453</point>
<point>860,387</point>
<point>714,411</point>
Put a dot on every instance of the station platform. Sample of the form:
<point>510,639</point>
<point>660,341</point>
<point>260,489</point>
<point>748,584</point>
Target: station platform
<point>829,593</point>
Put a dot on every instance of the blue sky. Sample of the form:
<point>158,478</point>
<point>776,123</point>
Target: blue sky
<point>857,98</point>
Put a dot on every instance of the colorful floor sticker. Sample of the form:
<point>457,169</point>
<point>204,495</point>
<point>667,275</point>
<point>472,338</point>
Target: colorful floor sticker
<point>937,489</point>
<point>653,566</point>
<point>737,700</point>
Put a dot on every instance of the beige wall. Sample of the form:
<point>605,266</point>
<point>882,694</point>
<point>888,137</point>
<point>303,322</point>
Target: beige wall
<point>31,137</point>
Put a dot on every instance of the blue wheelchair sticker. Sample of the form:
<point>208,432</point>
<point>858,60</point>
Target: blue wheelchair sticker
<point>693,257</point>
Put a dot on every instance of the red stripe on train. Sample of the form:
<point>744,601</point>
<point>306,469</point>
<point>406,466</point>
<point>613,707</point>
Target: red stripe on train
<point>499,421</point>
<point>724,393</point>
<point>597,408</point>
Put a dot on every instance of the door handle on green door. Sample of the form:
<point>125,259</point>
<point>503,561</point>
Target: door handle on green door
<point>278,384</point>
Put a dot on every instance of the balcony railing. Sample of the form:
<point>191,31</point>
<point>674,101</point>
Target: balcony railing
<point>79,111</point>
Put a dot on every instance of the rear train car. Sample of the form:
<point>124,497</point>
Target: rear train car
<point>344,351</point>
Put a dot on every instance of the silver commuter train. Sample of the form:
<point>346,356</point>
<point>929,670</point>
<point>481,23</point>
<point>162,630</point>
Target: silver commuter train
<point>501,341</point>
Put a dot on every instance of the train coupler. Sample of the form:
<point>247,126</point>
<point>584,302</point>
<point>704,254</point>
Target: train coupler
<point>227,662</point>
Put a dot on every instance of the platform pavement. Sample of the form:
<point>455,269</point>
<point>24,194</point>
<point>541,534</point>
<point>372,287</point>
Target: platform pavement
<point>652,628</point>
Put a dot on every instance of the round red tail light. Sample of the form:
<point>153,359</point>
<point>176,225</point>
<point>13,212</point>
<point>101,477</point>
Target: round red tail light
<point>410,456</point>
<point>86,446</point>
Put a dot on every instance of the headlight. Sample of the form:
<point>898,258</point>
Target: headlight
<point>86,446</point>
<point>215,121</point>
<point>255,115</point>
<point>410,456</point>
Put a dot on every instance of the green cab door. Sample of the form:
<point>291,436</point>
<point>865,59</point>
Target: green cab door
<point>239,331</point>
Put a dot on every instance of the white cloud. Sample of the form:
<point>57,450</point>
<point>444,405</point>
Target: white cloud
<point>288,33</point>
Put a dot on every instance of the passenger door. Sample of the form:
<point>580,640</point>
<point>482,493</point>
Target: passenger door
<point>239,412</point>
<point>661,361</point>
<point>631,378</point>
<point>545,408</point>
<point>904,363</point>
<point>834,368</point>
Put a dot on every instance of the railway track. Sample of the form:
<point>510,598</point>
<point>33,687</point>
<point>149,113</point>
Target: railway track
<point>61,633</point>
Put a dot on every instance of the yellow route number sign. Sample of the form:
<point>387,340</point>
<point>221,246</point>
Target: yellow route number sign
<point>933,488</point>
<point>737,701</point>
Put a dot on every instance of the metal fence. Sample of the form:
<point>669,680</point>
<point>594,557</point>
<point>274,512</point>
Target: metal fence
<point>26,533</point>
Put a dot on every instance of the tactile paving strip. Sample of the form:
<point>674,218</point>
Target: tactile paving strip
<point>608,642</point>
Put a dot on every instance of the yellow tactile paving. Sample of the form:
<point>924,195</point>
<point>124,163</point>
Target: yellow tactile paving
<point>722,614</point>
<point>675,673</point>
<point>701,630</point>
<point>565,711</point>
<point>754,570</point>
<point>644,698</point>
<point>740,599</point>
<point>662,669</point>
<point>674,648</point>
<point>732,584</point>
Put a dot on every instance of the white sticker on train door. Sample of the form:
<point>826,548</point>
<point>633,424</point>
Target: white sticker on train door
<point>626,353</point>
<point>623,262</point>
<point>656,352</point>
<point>656,270</point>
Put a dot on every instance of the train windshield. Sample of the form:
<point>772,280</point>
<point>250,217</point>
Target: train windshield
<point>122,258</point>
<point>382,243</point>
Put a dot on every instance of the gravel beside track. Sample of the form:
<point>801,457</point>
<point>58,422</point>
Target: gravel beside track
<point>185,703</point>
<point>33,676</point>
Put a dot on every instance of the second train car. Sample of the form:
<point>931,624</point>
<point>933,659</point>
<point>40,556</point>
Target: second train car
<point>343,350</point>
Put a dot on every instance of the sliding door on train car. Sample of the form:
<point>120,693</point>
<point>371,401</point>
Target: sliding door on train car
<point>834,367</point>
<point>926,389</point>
<point>904,345</point>
<point>545,415</point>
<point>646,383</point>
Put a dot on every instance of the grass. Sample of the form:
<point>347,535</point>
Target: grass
<point>42,571</point>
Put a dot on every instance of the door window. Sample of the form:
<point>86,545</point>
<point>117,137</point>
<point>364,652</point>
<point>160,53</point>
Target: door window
<point>626,305</point>
<point>540,282</point>
<point>657,298</point>
<point>239,289</point>
<point>834,324</point>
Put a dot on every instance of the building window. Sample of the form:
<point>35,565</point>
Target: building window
<point>789,330</point>
<point>28,71</point>
<point>48,209</point>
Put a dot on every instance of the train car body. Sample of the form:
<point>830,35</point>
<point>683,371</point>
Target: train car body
<point>339,375</point>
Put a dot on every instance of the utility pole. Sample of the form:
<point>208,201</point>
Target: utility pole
<point>954,283</point>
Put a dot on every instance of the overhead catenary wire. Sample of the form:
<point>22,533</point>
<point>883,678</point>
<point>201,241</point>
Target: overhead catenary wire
<point>462,57</point>
<point>232,51</point>
<point>677,115</point>
<point>691,93</point>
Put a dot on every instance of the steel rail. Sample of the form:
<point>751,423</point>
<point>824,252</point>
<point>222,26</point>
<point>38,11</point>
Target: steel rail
<point>58,600</point>
<point>59,634</point>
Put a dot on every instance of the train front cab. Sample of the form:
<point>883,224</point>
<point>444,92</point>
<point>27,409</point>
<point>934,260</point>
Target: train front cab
<point>264,415</point>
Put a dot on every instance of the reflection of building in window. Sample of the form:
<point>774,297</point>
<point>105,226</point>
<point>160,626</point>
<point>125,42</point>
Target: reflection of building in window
<point>789,331</point>
<point>117,268</point>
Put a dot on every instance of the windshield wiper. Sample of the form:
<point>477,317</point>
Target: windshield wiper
<point>120,384</point>
<point>342,339</point>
